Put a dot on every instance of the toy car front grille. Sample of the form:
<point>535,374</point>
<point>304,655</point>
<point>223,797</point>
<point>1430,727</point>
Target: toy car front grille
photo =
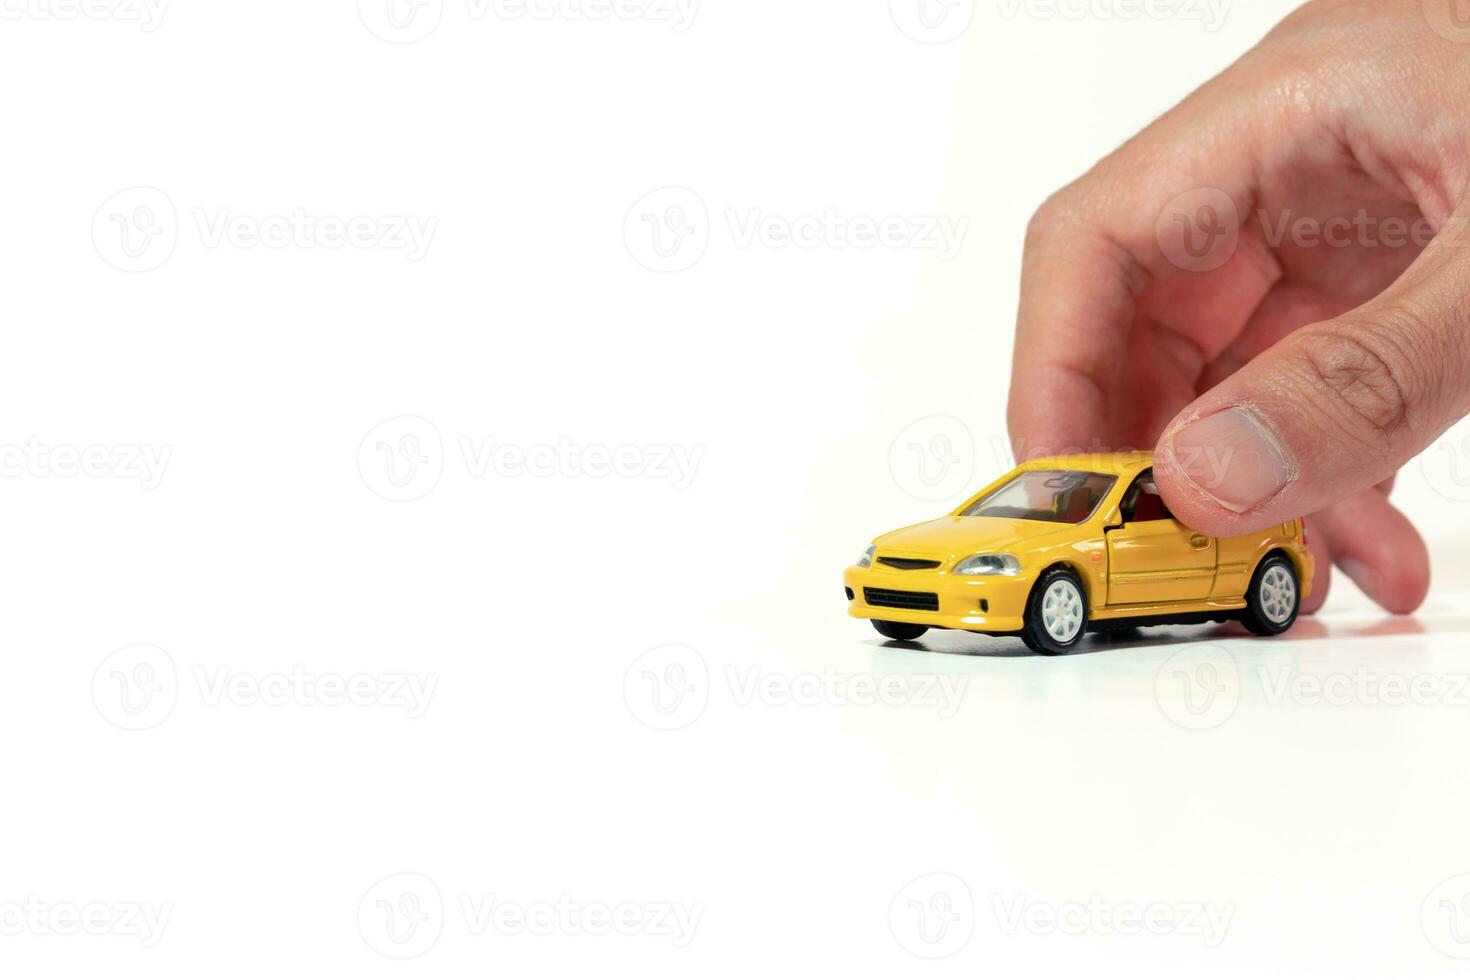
<point>889,599</point>
<point>908,564</point>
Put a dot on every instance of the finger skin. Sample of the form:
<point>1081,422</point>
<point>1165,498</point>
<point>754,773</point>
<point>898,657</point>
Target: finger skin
<point>1097,267</point>
<point>1377,547</point>
<point>1329,411</point>
<point>1076,306</point>
<point>1308,373</point>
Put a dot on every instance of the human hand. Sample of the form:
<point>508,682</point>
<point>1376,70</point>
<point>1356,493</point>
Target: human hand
<point>1247,285</point>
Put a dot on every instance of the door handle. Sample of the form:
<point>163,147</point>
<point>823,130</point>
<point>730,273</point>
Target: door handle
<point>1200,541</point>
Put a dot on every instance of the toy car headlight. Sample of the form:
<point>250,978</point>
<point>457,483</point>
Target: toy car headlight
<point>866,561</point>
<point>989,565</point>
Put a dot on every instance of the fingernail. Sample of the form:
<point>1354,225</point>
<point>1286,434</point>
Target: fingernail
<point>1233,459</point>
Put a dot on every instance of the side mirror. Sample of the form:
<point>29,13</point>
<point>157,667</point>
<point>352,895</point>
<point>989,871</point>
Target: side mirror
<point>1113,521</point>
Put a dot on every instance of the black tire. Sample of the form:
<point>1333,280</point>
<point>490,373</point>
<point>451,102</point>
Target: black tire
<point>1036,634</point>
<point>1265,614</point>
<point>899,631</point>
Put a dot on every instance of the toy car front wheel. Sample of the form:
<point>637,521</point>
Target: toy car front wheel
<point>899,631</point>
<point>1056,614</point>
<point>1274,598</point>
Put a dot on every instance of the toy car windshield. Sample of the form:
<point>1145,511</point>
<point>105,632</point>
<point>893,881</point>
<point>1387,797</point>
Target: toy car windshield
<point>1053,496</point>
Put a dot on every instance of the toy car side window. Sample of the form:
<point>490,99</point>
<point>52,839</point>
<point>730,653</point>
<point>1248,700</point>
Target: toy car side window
<point>1143,503</point>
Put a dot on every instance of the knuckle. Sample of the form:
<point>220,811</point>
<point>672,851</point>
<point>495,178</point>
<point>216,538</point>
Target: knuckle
<point>1365,378</point>
<point>1054,214</point>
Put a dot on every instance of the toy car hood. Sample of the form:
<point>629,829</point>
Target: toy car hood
<point>961,536</point>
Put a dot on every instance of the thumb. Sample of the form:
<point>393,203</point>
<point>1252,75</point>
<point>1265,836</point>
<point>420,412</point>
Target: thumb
<point>1332,409</point>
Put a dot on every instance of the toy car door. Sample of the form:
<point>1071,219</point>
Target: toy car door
<point>1154,559</point>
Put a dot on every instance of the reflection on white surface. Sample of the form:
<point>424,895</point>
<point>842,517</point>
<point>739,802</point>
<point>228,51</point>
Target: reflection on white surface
<point>1190,798</point>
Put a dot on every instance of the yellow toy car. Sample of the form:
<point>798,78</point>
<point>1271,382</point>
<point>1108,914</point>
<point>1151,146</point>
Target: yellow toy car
<point>1062,546</point>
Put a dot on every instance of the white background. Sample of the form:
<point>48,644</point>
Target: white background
<point>281,381</point>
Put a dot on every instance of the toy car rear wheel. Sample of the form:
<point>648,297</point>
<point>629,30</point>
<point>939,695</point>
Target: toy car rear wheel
<point>899,631</point>
<point>1274,599</point>
<point>1056,614</point>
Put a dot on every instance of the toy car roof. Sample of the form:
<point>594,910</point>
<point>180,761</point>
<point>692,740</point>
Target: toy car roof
<point>1110,463</point>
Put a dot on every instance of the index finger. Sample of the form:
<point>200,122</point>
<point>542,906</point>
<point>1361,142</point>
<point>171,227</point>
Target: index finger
<point>1078,301</point>
<point>1120,308</point>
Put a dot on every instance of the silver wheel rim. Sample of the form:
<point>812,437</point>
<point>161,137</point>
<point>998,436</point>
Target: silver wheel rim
<point>1061,611</point>
<point>1277,594</point>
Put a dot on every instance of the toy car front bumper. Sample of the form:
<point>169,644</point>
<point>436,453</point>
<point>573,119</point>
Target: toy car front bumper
<point>980,604</point>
